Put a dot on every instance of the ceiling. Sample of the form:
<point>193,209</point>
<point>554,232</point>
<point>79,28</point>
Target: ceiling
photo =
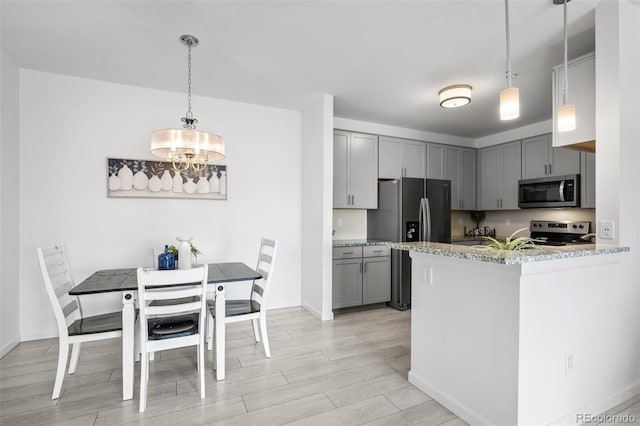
<point>384,61</point>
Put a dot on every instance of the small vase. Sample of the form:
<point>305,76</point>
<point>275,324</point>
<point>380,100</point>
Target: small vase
<point>223,183</point>
<point>184,252</point>
<point>126,178</point>
<point>114,183</point>
<point>140,181</point>
<point>203,186</point>
<point>177,183</point>
<point>166,260</point>
<point>214,183</point>
<point>155,184</point>
<point>189,186</point>
<point>167,181</point>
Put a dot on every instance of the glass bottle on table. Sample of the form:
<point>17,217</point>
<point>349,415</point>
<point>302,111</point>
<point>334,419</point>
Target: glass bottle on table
<point>166,260</point>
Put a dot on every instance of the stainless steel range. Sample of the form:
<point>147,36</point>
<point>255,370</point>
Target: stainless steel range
<point>560,233</point>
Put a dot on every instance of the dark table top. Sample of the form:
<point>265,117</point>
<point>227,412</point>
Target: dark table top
<point>126,279</point>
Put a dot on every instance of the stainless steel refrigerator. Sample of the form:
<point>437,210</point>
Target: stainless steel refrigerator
<point>409,209</point>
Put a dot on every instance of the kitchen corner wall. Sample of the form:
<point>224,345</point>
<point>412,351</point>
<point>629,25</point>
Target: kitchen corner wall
<point>69,127</point>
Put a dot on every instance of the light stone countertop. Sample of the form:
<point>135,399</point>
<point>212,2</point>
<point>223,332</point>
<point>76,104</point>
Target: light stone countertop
<point>482,254</point>
<point>355,243</point>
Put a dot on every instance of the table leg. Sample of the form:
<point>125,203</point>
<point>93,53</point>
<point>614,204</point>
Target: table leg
<point>219,332</point>
<point>128,325</point>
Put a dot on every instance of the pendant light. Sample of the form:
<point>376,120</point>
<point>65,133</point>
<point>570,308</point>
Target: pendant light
<point>509,97</point>
<point>187,148</point>
<point>566,112</point>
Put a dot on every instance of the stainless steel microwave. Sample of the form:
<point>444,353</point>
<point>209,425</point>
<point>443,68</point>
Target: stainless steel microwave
<point>556,191</point>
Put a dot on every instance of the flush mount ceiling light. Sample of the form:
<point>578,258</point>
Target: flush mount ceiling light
<point>509,97</point>
<point>187,148</point>
<point>455,96</point>
<point>566,112</point>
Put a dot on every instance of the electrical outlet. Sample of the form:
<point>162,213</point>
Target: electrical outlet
<point>339,222</point>
<point>428,276</point>
<point>568,362</point>
<point>607,229</point>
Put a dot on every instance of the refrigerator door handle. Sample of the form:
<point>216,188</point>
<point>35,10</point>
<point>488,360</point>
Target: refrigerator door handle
<point>421,221</point>
<point>427,219</point>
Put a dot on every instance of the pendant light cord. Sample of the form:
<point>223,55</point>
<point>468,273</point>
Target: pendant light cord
<point>565,92</point>
<point>506,14</point>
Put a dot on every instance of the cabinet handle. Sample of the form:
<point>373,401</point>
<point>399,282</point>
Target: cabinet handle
<point>353,200</point>
<point>377,251</point>
<point>365,267</point>
<point>347,252</point>
<point>462,204</point>
<point>498,202</point>
<point>550,169</point>
<point>545,169</point>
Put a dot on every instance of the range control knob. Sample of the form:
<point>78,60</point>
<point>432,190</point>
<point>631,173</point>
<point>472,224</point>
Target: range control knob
<point>575,226</point>
<point>581,226</point>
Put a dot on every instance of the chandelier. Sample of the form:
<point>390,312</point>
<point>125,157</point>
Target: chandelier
<point>509,97</point>
<point>187,148</point>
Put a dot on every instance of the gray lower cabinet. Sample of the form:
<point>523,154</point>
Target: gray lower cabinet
<point>361,276</point>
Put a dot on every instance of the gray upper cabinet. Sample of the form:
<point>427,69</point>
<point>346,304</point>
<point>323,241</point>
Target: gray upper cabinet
<point>355,171</point>
<point>587,180</point>
<point>499,170</point>
<point>540,159</point>
<point>401,158</point>
<point>435,161</point>
<point>460,169</point>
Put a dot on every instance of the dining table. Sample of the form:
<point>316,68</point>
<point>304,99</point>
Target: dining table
<point>125,280</point>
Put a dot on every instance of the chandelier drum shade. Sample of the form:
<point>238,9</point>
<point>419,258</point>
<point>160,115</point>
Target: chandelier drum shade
<point>187,148</point>
<point>455,96</point>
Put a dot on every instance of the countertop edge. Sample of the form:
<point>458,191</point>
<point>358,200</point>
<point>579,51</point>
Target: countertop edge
<point>509,258</point>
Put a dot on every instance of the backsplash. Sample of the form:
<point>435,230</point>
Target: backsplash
<point>508,221</point>
<point>353,224</point>
<point>354,221</point>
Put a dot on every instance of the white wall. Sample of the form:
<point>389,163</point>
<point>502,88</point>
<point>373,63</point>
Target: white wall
<point>515,134</point>
<point>9,197</point>
<point>68,128</point>
<point>349,224</point>
<point>317,202</point>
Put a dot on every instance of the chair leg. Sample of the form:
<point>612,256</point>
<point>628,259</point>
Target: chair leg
<point>152,356</point>
<point>63,353</point>
<point>256,331</point>
<point>265,338</point>
<point>144,378</point>
<point>215,349</point>
<point>201,368</point>
<point>209,331</point>
<point>75,356</point>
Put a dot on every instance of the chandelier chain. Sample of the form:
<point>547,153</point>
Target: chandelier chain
<point>189,80</point>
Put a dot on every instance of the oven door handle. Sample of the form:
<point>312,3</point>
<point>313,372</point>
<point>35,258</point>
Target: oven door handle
<point>562,190</point>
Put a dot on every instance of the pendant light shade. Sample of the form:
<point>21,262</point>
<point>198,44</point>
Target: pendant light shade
<point>566,112</point>
<point>509,103</point>
<point>455,96</point>
<point>187,148</point>
<point>509,97</point>
<point>566,118</point>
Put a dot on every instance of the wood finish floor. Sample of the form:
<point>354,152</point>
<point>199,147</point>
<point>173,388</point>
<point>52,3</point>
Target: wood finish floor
<point>349,371</point>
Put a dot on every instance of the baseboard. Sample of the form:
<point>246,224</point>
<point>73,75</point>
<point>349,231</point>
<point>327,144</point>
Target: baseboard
<point>39,335</point>
<point>448,401</point>
<point>316,313</point>
<point>8,346</point>
<point>601,405</point>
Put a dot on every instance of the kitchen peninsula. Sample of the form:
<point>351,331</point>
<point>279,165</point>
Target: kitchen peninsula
<point>521,338</point>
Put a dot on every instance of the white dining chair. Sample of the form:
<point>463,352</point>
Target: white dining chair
<point>73,328</point>
<point>171,325</point>
<point>254,308</point>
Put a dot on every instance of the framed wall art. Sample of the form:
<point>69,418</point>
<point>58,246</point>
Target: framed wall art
<point>158,179</point>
